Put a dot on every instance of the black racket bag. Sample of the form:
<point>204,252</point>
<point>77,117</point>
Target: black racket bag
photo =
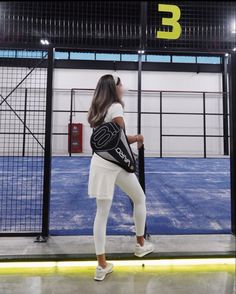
<point>109,141</point>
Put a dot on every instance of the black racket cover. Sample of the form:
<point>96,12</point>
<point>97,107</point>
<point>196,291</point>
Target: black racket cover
<point>109,141</point>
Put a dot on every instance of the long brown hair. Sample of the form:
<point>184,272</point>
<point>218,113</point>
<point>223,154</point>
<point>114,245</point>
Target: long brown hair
<point>104,95</point>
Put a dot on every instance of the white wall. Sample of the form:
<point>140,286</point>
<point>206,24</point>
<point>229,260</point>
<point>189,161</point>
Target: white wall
<point>65,79</point>
<point>172,102</point>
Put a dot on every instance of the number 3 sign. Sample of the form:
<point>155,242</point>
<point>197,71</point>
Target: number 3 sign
<point>172,21</point>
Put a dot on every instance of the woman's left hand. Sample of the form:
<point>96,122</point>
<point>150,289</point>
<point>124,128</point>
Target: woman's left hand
<point>140,140</point>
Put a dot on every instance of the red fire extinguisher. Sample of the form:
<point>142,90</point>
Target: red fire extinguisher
<point>75,138</point>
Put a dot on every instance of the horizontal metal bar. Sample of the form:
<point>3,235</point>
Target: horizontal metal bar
<point>142,112</point>
<point>172,135</point>
<point>66,133</point>
<point>22,110</point>
<point>22,234</point>
<point>182,113</point>
<point>182,67</point>
<point>158,91</point>
<point>147,112</point>
<point>117,65</point>
<point>5,133</point>
<point>133,65</point>
<point>177,91</point>
<point>130,90</point>
<point>105,48</point>
<point>18,133</point>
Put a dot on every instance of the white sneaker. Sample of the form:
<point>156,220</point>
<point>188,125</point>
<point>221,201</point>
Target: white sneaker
<point>101,272</point>
<point>147,248</point>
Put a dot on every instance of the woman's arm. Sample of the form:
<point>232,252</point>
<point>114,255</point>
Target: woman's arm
<point>136,138</point>
<point>131,139</point>
<point>119,120</point>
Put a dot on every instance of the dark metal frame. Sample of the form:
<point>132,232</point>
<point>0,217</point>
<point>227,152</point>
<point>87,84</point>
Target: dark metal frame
<point>225,103</point>
<point>143,46</point>
<point>121,65</point>
<point>47,175</point>
<point>232,109</point>
<point>48,150</point>
<point>43,235</point>
<point>70,126</point>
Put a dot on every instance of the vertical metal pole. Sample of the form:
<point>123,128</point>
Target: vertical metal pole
<point>48,150</point>
<point>142,46</point>
<point>225,105</point>
<point>141,150</point>
<point>139,92</point>
<point>70,126</point>
<point>25,110</point>
<point>232,113</point>
<point>204,124</point>
<point>160,124</point>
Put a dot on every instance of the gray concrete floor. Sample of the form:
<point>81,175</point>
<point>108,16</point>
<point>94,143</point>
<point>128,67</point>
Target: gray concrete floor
<point>176,245</point>
<point>131,280</point>
<point>119,282</point>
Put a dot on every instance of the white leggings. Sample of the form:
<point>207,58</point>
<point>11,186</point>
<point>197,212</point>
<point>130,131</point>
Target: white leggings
<point>129,184</point>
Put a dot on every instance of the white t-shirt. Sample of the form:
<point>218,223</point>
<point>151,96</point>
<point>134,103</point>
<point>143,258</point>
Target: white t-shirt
<point>103,173</point>
<point>115,110</point>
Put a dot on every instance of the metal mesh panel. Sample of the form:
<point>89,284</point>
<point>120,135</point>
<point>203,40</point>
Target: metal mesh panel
<point>84,23</point>
<point>206,25</point>
<point>22,134</point>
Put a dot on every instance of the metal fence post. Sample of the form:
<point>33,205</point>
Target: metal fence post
<point>70,127</point>
<point>204,124</point>
<point>48,150</point>
<point>232,112</point>
<point>160,124</point>
<point>25,112</point>
<point>225,105</point>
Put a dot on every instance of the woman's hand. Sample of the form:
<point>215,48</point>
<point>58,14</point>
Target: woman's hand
<point>140,140</point>
<point>136,138</point>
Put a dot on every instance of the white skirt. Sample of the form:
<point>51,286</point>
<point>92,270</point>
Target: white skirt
<point>102,177</point>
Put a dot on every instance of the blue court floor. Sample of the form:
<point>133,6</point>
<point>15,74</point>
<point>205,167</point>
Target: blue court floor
<point>184,196</point>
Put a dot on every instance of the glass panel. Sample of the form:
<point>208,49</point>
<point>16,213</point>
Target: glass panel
<point>158,58</point>
<point>7,53</point>
<point>61,55</point>
<point>184,59</point>
<point>108,56</point>
<point>129,57</point>
<point>208,59</point>
<point>28,54</point>
<point>82,55</point>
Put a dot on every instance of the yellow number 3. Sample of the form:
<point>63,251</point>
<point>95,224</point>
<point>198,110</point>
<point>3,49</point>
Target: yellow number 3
<point>173,22</point>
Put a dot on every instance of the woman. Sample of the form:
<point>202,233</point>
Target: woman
<point>107,105</point>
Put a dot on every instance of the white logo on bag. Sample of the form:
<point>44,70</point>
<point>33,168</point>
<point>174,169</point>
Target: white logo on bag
<point>104,135</point>
<point>122,155</point>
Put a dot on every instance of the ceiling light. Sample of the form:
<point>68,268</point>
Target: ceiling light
<point>233,29</point>
<point>44,42</point>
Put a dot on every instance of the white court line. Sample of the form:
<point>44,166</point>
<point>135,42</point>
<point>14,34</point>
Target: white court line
<point>25,173</point>
<point>154,172</point>
<point>187,172</point>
